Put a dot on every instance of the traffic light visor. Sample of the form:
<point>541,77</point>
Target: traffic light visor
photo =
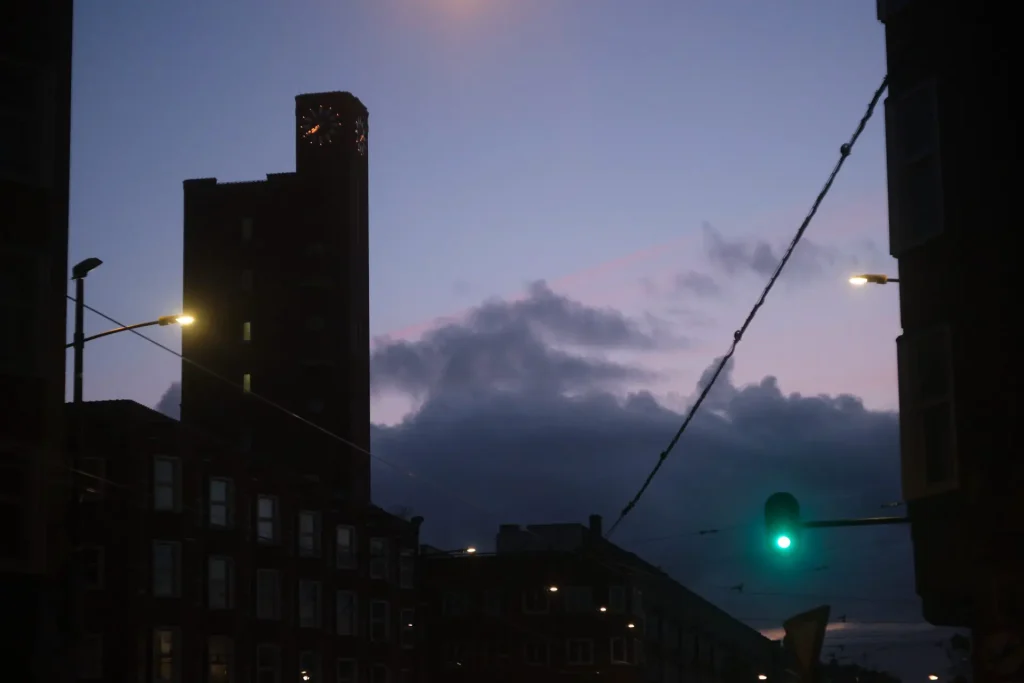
<point>782,521</point>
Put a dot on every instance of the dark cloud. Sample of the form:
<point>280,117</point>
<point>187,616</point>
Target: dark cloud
<point>739,256</point>
<point>700,284</point>
<point>170,403</point>
<point>515,347</point>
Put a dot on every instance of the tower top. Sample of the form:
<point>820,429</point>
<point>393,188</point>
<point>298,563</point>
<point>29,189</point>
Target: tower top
<point>340,99</point>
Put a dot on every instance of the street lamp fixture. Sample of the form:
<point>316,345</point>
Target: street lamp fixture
<point>553,589</point>
<point>630,625</point>
<point>872,278</point>
<point>762,677</point>
<point>162,321</point>
<point>83,268</point>
<point>602,609</point>
<point>932,677</point>
<point>470,550</point>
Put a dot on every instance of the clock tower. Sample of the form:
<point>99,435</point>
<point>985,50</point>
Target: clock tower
<point>330,134</point>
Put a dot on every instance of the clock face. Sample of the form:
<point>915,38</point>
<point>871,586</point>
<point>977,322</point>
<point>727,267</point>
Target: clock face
<point>320,126</point>
<point>361,131</point>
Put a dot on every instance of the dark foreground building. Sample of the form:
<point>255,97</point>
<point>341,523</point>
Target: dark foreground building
<point>197,574</point>
<point>558,602</point>
<point>35,123</point>
<point>953,150</point>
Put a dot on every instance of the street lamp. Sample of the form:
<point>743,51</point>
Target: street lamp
<point>162,321</point>
<point>872,278</point>
<point>78,274</point>
<point>932,677</point>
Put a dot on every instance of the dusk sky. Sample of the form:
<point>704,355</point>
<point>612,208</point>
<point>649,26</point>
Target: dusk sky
<point>573,204</point>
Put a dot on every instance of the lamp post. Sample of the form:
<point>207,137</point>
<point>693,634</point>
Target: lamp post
<point>78,274</point>
<point>872,278</point>
<point>163,321</point>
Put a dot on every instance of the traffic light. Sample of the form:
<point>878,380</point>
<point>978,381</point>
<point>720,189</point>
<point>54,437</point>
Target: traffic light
<point>782,521</point>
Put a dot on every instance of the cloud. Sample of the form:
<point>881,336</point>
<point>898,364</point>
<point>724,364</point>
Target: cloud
<point>520,347</point>
<point>701,284</point>
<point>170,403</point>
<point>737,256</point>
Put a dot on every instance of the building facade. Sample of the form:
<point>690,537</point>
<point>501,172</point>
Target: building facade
<point>197,574</point>
<point>558,602</point>
<point>951,170</point>
<point>35,125</point>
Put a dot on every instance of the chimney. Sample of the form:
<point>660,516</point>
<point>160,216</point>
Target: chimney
<point>595,526</point>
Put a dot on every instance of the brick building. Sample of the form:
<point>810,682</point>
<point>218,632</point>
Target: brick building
<point>558,600</point>
<point>35,131</point>
<point>197,574</point>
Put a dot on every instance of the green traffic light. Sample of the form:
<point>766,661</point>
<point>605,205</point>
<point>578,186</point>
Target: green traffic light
<point>783,542</point>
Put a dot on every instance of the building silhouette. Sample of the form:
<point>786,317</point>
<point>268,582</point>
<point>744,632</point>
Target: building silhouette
<point>559,602</point>
<point>275,418</point>
<point>952,151</point>
<point>35,122</point>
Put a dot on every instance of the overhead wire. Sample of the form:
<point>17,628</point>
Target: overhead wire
<point>844,152</point>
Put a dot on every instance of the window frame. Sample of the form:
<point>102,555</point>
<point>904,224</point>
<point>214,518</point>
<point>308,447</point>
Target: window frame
<point>407,568</point>
<point>352,554</point>
<point>247,226</point>
<point>246,331</point>
<point>312,666</point>
<point>260,667</point>
<point>380,555</point>
<point>229,657</point>
<point>175,547</point>
<point>273,519</point>
<point>407,628</point>
<point>314,536</point>
<point>317,587</point>
<point>352,600</point>
<point>375,621</point>
<point>228,503</point>
<point>174,484</point>
<point>229,582</point>
<point>100,561</point>
<point>625,659</point>
<point>274,611</point>
<point>247,382</point>
<point>96,488</point>
<point>545,645</point>
<point>589,649</point>
<point>537,608</point>
<point>175,655</point>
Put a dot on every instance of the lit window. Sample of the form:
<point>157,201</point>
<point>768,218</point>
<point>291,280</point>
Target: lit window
<point>221,503</point>
<point>345,547</point>
<point>166,569</point>
<point>219,579</point>
<point>166,668</point>
<point>246,229</point>
<point>247,382</point>
<point>309,604</point>
<point>268,594</point>
<point>166,477</point>
<point>309,667</point>
<point>309,534</point>
<point>220,659</point>
<point>266,519</point>
<point>247,331</point>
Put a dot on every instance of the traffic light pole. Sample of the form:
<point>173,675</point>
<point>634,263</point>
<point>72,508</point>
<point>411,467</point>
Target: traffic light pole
<point>866,521</point>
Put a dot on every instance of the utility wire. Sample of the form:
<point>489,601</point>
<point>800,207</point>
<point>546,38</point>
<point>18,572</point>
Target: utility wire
<point>844,152</point>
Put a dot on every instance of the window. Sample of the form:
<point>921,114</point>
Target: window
<point>378,558</point>
<point>221,504</point>
<point>90,657</point>
<point>166,657</point>
<point>166,569</point>
<point>345,547</point>
<point>166,483</point>
<point>268,594</point>
<point>91,565</point>
<point>407,634</point>
<point>616,599</point>
<point>92,478</point>
<point>247,382</point>
<point>345,613</point>
<point>407,568</point>
<point>220,654</point>
<point>379,621</point>
<point>220,582</point>
<point>536,601</point>
<point>246,230</point>
<point>309,604</point>
<point>246,280</point>
<point>618,651</point>
<point>266,519</point>
<point>268,664</point>
<point>345,671</point>
<point>309,667</point>
<point>536,653</point>
<point>915,171</point>
<point>455,604</point>
<point>578,599</point>
<point>246,331</point>
<point>380,673</point>
<point>492,603</point>
<point>579,651</point>
<point>928,431</point>
<point>309,534</point>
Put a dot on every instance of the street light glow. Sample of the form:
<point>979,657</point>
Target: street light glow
<point>932,677</point>
<point>858,280</point>
<point>470,550</point>
<point>553,589</point>
<point>185,320</point>
<point>872,278</point>
<point>762,677</point>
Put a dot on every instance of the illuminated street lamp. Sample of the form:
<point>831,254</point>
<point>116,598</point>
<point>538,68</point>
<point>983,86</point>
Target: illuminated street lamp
<point>162,321</point>
<point>762,677</point>
<point>932,677</point>
<point>872,278</point>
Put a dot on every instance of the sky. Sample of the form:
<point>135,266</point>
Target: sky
<point>573,205</point>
